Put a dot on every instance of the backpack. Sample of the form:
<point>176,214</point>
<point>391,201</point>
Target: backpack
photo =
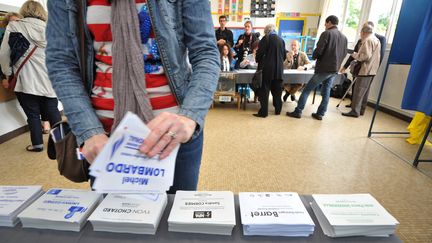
<point>18,45</point>
<point>339,90</point>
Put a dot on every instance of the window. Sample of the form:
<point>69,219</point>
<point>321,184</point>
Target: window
<point>384,14</point>
<point>352,19</point>
<point>393,21</point>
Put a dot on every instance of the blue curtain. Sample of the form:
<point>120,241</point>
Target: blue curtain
<point>418,90</point>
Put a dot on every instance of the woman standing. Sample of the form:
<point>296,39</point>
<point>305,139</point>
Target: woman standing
<point>243,47</point>
<point>33,88</point>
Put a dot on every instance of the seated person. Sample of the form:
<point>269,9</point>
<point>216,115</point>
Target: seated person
<point>249,62</point>
<point>226,58</point>
<point>295,60</point>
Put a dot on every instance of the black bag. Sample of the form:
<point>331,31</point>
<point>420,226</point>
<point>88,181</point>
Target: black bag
<point>18,46</point>
<point>64,151</point>
<point>256,80</point>
<point>339,90</point>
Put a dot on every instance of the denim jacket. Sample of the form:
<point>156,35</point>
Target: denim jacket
<point>183,29</point>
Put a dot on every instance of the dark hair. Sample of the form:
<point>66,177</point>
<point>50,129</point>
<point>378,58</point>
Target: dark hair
<point>332,19</point>
<point>230,54</point>
<point>254,45</point>
<point>248,22</point>
<point>371,23</point>
<point>223,17</point>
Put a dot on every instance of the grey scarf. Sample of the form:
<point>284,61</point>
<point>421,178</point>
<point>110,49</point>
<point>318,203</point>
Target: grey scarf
<point>129,87</point>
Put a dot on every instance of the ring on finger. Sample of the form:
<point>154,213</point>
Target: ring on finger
<point>172,134</point>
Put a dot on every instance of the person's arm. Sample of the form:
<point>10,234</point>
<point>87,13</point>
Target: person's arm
<point>64,72</point>
<point>365,51</point>
<point>5,53</point>
<point>230,39</point>
<point>321,46</point>
<point>262,49</point>
<point>204,58</point>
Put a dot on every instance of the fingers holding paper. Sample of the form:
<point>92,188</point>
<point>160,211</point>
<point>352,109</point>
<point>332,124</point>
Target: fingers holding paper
<point>167,131</point>
<point>93,146</point>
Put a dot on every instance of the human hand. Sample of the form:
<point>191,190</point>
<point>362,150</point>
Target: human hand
<point>240,42</point>
<point>342,70</point>
<point>167,131</point>
<point>5,83</point>
<point>301,68</point>
<point>93,146</point>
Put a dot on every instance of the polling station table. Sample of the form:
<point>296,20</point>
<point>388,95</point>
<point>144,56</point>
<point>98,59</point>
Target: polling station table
<point>290,76</point>
<point>19,234</point>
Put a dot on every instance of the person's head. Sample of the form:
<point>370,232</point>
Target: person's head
<point>222,21</point>
<point>366,31</point>
<point>295,46</point>
<point>269,28</point>
<point>34,10</point>
<point>369,23</point>
<point>331,21</point>
<point>11,16</point>
<point>248,27</point>
<point>225,51</point>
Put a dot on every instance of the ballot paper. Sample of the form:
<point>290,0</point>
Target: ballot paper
<point>122,168</point>
<point>274,214</point>
<point>206,212</point>
<point>342,215</point>
<point>60,209</point>
<point>13,200</point>
<point>129,213</point>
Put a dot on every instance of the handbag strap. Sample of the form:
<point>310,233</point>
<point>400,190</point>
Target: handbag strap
<point>25,60</point>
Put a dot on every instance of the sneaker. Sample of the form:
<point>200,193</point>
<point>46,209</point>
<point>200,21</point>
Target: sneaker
<point>316,116</point>
<point>294,114</point>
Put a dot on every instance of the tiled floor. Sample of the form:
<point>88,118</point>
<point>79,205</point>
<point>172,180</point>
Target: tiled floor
<point>245,153</point>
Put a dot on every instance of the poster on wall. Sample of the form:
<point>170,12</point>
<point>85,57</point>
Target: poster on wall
<point>227,8</point>
<point>220,6</point>
<point>233,10</point>
<point>240,11</point>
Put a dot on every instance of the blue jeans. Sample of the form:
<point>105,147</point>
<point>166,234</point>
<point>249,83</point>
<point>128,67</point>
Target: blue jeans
<point>188,164</point>
<point>327,80</point>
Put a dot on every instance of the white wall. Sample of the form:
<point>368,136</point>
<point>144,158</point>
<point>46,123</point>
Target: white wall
<point>394,86</point>
<point>12,117</point>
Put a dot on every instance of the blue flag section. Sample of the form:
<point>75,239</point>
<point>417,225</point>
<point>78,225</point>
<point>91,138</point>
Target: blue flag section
<point>418,90</point>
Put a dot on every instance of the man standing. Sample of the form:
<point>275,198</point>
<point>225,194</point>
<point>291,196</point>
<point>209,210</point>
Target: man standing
<point>331,49</point>
<point>270,57</point>
<point>369,58</point>
<point>224,35</point>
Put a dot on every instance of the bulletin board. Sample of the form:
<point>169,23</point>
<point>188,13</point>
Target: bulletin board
<point>293,26</point>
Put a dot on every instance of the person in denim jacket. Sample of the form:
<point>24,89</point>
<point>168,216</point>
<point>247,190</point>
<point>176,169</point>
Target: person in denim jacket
<point>176,31</point>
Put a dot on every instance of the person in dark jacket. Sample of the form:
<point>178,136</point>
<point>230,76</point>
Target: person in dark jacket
<point>270,57</point>
<point>243,47</point>
<point>331,49</point>
<point>223,34</point>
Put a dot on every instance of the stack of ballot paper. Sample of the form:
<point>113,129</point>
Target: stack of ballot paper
<point>274,214</point>
<point>352,215</point>
<point>60,209</point>
<point>129,213</point>
<point>13,200</point>
<point>202,212</point>
<point>122,168</point>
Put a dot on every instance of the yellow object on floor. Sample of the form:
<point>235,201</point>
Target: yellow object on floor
<point>417,128</point>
